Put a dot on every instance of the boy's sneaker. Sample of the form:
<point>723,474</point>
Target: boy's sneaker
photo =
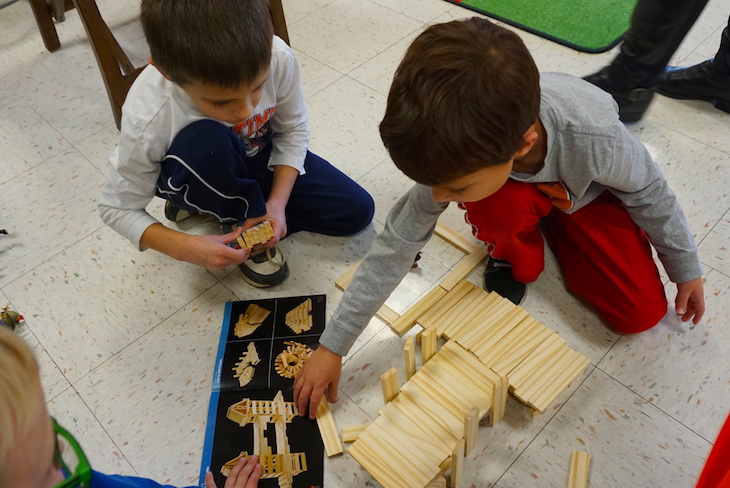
<point>498,278</point>
<point>176,214</point>
<point>265,267</point>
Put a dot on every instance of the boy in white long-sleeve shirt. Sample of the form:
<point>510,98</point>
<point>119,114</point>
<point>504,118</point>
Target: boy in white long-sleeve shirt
<point>217,125</point>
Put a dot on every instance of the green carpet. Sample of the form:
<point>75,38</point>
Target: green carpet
<point>591,26</point>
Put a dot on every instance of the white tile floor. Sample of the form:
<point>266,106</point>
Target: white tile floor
<point>126,339</point>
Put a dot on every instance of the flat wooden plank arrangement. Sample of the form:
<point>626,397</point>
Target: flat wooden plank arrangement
<point>492,346</point>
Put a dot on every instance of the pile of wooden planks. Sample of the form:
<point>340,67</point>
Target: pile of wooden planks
<point>492,345</point>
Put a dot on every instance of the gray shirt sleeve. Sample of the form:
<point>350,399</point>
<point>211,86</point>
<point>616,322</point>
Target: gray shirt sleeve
<point>408,228</point>
<point>636,179</point>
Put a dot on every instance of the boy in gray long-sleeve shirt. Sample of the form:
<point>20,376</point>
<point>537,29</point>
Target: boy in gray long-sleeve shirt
<point>470,120</point>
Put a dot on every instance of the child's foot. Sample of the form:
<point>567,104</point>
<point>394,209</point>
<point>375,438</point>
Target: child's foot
<point>176,214</point>
<point>266,267</point>
<point>498,278</point>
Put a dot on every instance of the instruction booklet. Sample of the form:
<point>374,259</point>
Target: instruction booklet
<point>263,345</point>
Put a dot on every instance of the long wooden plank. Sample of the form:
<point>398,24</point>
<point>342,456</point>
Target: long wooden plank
<point>457,240</point>
<point>452,297</point>
<point>392,441</point>
<point>428,434</point>
<point>378,466</point>
<point>408,318</point>
<point>469,315</point>
<point>471,430</point>
<point>327,427</point>
<point>496,328</point>
<point>522,331</point>
<point>531,364</point>
<point>428,345</point>
<point>459,387</point>
<point>549,369</point>
<point>406,406</point>
<point>434,407</point>
<point>457,466</point>
<point>350,432</point>
<point>579,466</point>
<point>464,267</point>
<point>473,382</point>
<point>560,382</point>
<point>389,384</point>
<point>499,400</point>
<point>446,398</point>
<point>344,281</point>
<point>409,357</point>
<point>459,310</point>
<point>409,443</point>
<point>521,351</point>
<point>471,361</point>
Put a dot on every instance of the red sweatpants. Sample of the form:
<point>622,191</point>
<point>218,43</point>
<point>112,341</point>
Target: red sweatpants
<point>717,467</point>
<point>605,256</point>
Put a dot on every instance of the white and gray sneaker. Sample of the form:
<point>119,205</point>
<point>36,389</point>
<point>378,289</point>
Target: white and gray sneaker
<point>265,267</point>
<point>175,214</point>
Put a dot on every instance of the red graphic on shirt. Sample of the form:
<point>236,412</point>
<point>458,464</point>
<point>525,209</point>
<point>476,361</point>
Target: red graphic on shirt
<point>253,127</point>
<point>560,195</point>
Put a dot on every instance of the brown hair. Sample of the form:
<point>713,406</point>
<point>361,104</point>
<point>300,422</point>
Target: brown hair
<point>462,99</point>
<point>222,43</point>
<point>19,384</point>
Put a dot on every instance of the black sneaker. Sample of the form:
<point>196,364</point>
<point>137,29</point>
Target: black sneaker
<point>498,278</point>
<point>266,267</point>
<point>176,214</point>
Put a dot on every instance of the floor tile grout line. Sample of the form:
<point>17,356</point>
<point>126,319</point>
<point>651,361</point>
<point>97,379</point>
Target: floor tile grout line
<point>636,393</point>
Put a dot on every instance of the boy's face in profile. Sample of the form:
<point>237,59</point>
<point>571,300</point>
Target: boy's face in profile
<point>31,462</point>
<point>231,105</point>
<point>474,186</point>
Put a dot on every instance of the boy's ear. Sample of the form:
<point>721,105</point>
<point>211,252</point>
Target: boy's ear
<point>152,62</point>
<point>528,141</point>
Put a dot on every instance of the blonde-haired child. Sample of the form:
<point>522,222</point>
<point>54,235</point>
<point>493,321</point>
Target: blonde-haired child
<point>36,452</point>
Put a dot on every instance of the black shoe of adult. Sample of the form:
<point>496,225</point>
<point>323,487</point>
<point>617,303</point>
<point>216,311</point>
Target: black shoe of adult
<point>632,101</point>
<point>498,278</point>
<point>698,82</point>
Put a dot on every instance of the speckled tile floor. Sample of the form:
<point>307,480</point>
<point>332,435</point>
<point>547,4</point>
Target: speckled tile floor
<point>126,340</point>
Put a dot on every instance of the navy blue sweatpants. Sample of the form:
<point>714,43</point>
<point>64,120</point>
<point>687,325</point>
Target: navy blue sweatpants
<point>206,171</point>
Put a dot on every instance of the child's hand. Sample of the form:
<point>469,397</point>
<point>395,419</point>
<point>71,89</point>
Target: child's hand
<point>277,218</point>
<point>245,474</point>
<point>213,252</point>
<point>690,301</point>
<point>209,252</point>
<point>321,370</point>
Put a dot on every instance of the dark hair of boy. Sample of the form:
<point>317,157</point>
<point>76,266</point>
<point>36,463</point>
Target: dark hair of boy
<point>462,99</point>
<point>224,43</point>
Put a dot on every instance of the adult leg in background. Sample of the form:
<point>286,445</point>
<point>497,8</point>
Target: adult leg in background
<point>709,80</point>
<point>657,28</point>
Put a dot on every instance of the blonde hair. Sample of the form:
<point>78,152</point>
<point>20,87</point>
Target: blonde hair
<point>19,386</point>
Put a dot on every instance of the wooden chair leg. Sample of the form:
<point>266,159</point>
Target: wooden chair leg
<point>43,18</point>
<point>277,17</point>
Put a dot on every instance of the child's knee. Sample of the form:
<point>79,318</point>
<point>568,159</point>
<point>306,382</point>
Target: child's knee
<point>362,211</point>
<point>203,139</point>
<point>637,316</point>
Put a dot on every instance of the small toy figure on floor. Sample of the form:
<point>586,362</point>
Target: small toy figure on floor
<point>10,318</point>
